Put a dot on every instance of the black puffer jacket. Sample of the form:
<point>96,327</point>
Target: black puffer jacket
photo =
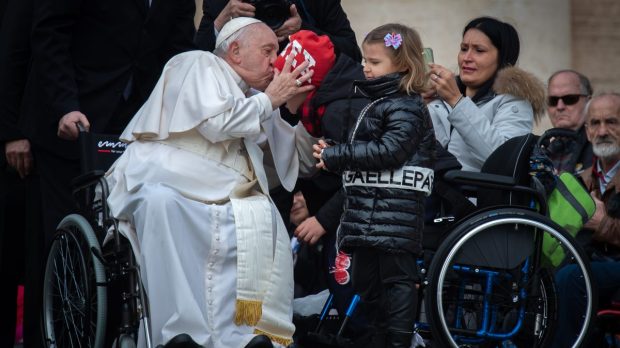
<point>394,133</point>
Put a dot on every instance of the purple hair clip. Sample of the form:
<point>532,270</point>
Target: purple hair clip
<point>392,39</point>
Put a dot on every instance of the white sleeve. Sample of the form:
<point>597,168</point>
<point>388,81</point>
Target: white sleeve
<point>439,115</point>
<point>242,119</point>
<point>511,117</point>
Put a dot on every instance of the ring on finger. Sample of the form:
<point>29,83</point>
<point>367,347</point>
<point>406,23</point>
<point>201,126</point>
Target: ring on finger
<point>298,82</point>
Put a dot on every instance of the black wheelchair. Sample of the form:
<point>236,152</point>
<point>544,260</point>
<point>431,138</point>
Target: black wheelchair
<point>488,279</point>
<point>93,295</point>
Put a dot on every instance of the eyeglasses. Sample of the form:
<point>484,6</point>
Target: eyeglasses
<point>569,99</point>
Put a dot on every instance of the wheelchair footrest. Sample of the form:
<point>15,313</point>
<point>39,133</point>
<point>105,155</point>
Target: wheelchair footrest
<point>328,340</point>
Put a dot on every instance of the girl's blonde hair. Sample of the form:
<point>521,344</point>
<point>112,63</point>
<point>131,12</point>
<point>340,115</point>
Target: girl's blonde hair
<point>407,56</point>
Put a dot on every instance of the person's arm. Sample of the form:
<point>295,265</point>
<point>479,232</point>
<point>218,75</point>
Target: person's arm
<point>329,214</point>
<point>205,36</point>
<point>216,13</point>
<point>606,220</point>
<point>513,117</point>
<point>326,220</point>
<point>329,18</point>
<point>52,35</point>
<point>182,30</point>
<point>401,135</point>
<point>14,61</point>
<point>439,116</point>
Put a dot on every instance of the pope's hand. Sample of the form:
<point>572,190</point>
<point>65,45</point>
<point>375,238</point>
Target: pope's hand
<point>288,83</point>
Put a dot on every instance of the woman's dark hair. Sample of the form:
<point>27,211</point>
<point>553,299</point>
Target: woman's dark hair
<point>504,37</point>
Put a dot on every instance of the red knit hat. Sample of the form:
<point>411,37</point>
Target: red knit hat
<point>317,50</point>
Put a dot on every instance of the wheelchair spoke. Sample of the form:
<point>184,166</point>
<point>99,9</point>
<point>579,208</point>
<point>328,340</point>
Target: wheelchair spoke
<point>494,281</point>
<point>74,304</point>
<point>72,316</point>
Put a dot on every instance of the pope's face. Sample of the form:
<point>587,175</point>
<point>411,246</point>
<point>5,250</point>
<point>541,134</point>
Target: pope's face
<point>256,54</point>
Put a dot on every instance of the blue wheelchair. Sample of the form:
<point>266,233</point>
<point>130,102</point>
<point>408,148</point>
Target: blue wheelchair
<point>488,279</point>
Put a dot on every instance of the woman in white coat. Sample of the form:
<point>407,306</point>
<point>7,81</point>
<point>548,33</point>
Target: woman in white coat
<point>490,101</point>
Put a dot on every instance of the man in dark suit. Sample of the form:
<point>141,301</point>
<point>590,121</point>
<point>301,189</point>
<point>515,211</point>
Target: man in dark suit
<point>324,17</point>
<point>21,251</point>
<point>94,62</point>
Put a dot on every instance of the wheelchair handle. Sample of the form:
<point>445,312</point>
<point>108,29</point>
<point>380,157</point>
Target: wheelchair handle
<point>556,133</point>
<point>494,181</point>
<point>81,127</point>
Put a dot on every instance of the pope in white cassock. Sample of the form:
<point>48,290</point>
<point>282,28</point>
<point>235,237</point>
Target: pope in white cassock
<point>191,192</point>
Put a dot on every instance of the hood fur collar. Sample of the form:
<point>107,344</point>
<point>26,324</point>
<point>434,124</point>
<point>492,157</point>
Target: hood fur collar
<point>524,85</point>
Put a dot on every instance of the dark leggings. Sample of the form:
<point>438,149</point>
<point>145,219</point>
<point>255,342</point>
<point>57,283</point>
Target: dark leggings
<point>386,282</point>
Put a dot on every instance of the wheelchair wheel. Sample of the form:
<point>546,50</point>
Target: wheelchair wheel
<point>74,302</point>
<point>492,281</point>
<point>125,341</point>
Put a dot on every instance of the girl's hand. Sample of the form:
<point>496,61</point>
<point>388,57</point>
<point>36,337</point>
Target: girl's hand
<point>444,83</point>
<point>318,152</point>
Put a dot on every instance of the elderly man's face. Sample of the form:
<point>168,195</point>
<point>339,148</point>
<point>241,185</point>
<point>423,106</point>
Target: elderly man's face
<point>603,126</point>
<point>562,113</point>
<point>257,53</point>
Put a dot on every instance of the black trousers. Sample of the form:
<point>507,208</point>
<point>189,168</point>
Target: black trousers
<point>21,255</point>
<point>386,282</point>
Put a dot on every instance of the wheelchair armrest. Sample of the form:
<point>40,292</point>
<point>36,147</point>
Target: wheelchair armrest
<point>480,179</point>
<point>498,182</point>
<point>87,179</point>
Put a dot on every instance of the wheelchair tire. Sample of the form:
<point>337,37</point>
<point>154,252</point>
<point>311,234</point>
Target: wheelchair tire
<point>126,341</point>
<point>510,298</point>
<point>74,297</point>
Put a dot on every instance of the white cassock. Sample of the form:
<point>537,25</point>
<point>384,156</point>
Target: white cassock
<point>191,194</point>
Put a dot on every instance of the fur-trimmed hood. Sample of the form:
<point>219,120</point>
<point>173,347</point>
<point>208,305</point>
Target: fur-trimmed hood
<point>524,85</point>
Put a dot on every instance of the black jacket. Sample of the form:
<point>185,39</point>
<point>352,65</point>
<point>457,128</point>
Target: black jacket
<point>324,17</point>
<point>395,131</point>
<point>86,52</point>
<point>342,106</point>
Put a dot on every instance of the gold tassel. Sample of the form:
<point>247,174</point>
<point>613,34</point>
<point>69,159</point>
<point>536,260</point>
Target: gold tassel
<point>278,339</point>
<point>248,312</point>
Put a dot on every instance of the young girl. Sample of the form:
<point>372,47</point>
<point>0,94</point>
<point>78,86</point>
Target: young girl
<point>386,167</point>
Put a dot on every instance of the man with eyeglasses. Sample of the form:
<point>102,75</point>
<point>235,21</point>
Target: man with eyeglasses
<point>568,93</point>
